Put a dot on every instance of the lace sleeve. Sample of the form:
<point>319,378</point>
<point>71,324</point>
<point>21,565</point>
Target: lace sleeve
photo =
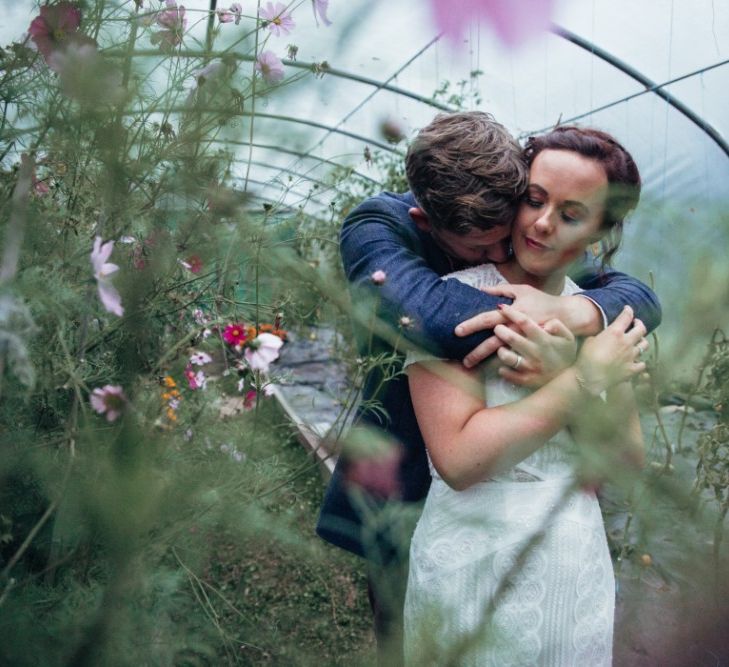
<point>484,275</point>
<point>416,356</point>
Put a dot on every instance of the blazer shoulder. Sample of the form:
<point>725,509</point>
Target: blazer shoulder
<point>390,204</point>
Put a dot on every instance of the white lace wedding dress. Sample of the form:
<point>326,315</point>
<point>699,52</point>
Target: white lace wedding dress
<point>556,608</point>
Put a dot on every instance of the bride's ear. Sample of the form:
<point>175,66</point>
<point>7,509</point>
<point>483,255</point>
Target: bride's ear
<point>420,219</point>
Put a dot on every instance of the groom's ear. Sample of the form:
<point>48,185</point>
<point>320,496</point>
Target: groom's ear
<point>420,219</point>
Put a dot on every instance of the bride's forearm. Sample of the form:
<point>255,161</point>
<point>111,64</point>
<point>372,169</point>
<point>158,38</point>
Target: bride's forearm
<point>466,449</point>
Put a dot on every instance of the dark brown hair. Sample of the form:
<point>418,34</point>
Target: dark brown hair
<point>466,172</point>
<point>622,173</point>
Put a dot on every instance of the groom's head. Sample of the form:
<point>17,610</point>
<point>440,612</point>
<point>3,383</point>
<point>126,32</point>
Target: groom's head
<point>467,175</point>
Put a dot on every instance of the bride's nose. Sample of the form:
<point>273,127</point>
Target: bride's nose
<point>544,223</point>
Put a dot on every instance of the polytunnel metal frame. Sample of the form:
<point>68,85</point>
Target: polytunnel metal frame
<point>650,86</point>
<point>324,69</point>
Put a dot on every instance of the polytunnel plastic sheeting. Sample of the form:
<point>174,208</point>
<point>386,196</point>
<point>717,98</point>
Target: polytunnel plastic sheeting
<point>322,121</point>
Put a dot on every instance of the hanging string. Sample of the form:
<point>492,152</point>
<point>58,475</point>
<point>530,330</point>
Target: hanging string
<point>665,130</point>
<point>656,87</point>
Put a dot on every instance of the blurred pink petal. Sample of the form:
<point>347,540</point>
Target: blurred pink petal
<point>378,277</point>
<point>108,294</point>
<point>320,11</point>
<point>53,28</point>
<point>224,16</point>
<point>109,400</point>
<point>270,67</point>
<point>377,474</point>
<point>110,298</point>
<point>514,21</point>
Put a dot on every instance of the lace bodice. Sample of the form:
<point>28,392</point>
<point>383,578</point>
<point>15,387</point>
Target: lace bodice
<point>552,460</point>
<point>544,538</point>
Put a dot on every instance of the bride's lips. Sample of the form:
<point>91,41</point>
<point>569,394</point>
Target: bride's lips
<point>531,243</point>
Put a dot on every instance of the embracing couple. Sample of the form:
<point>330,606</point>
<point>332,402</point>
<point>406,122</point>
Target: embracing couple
<point>508,562</point>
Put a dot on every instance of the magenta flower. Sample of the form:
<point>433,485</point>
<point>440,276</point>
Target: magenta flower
<point>249,400</point>
<point>109,400</point>
<point>102,270</point>
<point>514,21</point>
<point>378,474</point>
<point>174,23</point>
<point>269,66</point>
<point>263,351</point>
<point>56,28</point>
<point>279,21</point>
<point>320,11</point>
<point>378,277</point>
<point>235,334</point>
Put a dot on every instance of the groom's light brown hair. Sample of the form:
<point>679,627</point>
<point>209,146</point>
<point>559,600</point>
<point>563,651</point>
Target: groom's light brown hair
<point>466,172</point>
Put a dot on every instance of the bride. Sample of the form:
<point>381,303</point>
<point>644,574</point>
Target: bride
<point>509,564</point>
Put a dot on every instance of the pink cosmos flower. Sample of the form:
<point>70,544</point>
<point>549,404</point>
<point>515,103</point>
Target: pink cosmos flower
<point>270,67</point>
<point>263,350</point>
<point>514,21</point>
<point>279,21</point>
<point>56,25</point>
<point>224,16</point>
<point>109,400</point>
<point>235,334</point>
<point>102,270</point>
<point>237,11</point>
<point>195,380</point>
<point>200,358</point>
<point>320,11</point>
<point>199,316</point>
<point>174,23</point>
<point>378,277</point>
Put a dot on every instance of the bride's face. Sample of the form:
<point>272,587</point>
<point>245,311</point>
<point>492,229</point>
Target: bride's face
<point>561,213</point>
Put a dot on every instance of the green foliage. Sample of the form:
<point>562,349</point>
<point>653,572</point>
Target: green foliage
<point>177,526</point>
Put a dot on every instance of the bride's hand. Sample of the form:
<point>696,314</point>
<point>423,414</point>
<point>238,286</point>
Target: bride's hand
<point>613,355</point>
<point>535,354</point>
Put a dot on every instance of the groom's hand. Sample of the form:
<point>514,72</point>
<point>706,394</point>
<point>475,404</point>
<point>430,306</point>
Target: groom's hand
<point>579,314</point>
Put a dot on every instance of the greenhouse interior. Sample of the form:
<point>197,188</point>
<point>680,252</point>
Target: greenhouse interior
<point>364,333</point>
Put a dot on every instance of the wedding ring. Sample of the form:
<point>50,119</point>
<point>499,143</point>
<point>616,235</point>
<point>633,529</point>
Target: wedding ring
<point>518,361</point>
<point>639,349</point>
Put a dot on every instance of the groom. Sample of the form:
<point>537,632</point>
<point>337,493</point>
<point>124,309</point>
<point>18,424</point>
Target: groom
<point>466,177</point>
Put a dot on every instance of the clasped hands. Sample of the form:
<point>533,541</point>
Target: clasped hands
<point>534,343</point>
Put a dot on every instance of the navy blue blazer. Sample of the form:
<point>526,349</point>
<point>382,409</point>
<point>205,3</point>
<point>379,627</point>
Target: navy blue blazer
<point>380,235</point>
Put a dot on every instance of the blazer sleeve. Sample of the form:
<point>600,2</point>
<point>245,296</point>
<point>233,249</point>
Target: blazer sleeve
<point>376,237</point>
<point>612,290</point>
